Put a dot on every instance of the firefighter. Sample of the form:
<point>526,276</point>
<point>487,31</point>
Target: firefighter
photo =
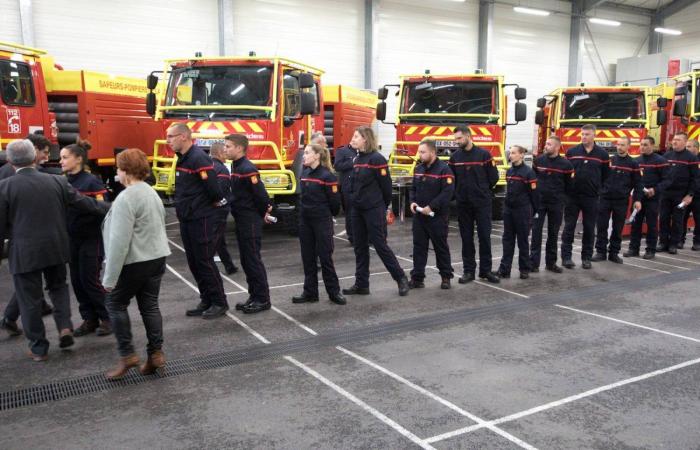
<point>370,195</point>
<point>344,157</point>
<point>677,193</point>
<point>624,177</point>
<point>692,146</point>
<point>653,168</point>
<point>198,200</point>
<point>86,247</point>
<point>554,180</point>
<point>431,191</point>
<point>475,177</point>
<point>319,203</point>
<point>590,163</point>
<point>250,207</point>
<point>223,176</point>
<point>521,203</point>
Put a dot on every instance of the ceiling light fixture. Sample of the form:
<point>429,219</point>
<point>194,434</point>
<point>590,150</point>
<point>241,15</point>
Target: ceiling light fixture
<point>606,22</point>
<point>668,31</point>
<point>531,11</point>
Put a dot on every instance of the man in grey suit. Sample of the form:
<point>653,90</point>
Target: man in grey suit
<point>33,216</point>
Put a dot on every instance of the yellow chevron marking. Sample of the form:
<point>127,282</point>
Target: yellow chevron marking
<point>238,127</point>
<point>570,133</point>
<point>695,133</point>
<point>411,130</point>
<point>634,133</point>
<point>608,133</point>
<point>440,131</point>
<point>255,127</point>
<point>425,131</point>
<point>485,131</point>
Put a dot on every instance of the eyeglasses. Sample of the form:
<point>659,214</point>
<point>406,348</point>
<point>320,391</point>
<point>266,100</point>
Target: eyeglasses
<point>171,136</point>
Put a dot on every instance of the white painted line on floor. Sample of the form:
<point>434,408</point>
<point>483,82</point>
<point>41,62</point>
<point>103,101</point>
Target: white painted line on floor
<point>177,274</point>
<point>403,431</point>
<point>632,324</point>
<point>172,223</point>
<point>654,261</point>
<point>342,233</point>
<point>234,283</point>
<point>627,263</point>
<point>176,246</point>
<point>677,259</point>
<point>283,286</point>
<point>437,398</point>
<point>294,321</point>
<point>563,401</point>
<point>257,335</point>
<point>493,286</point>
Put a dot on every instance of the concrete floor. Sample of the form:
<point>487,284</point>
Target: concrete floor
<point>547,362</point>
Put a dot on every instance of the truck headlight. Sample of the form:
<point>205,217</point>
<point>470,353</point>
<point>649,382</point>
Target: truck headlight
<point>276,181</point>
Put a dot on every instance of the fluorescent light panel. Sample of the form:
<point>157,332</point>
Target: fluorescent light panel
<point>668,31</point>
<point>606,22</point>
<point>531,11</point>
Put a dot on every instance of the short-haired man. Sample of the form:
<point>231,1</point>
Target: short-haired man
<point>694,208</point>
<point>654,170</point>
<point>678,190</point>
<point>591,167</point>
<point>475,177</point>
<point>223,176</point>
<point>431,191</point>
<point>250,207</point>
<point>198,204</point>
<point>624,177</point>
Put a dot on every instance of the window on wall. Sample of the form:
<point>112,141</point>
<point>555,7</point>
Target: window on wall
<point>16,83</point>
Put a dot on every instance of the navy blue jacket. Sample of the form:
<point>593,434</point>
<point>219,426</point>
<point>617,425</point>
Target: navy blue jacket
<point>521,188</point>
<point>223,176</point>
<point>555,178</point>
<point>475,174</point>
<point>344,157</point>
<point>654,170</point>
<point>82,224</point>
<point>319,193</point>
<point>623,177</point>
<point>433,186</point>
<point>196,186</point>
<point>370,182</point>
<point>682,173</point>
<point>590,169</point>
<point>247,189</point>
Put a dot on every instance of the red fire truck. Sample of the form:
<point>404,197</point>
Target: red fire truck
<point>679,98</point>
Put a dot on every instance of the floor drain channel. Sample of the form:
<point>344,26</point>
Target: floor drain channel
<point>94,383</point>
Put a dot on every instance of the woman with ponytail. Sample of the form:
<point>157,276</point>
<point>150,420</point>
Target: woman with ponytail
<point>86,248</point>
<point>320,201</point>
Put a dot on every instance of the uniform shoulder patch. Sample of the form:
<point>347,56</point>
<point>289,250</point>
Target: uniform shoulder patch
<point>334,188</point>
<point>449,180</point>
<point>254,179</point>
<point>383,172</point>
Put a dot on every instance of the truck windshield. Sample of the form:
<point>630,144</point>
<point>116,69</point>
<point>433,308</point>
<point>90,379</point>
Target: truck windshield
<point>697,97</point>
<point>616,106</point>
<point>451,97</point>
<point>220,86</point>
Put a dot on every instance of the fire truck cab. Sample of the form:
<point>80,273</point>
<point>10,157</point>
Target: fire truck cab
<point>679,100</point>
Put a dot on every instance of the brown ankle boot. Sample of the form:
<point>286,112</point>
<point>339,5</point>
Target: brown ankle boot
<point>125,363</point>
<point>155,361</point>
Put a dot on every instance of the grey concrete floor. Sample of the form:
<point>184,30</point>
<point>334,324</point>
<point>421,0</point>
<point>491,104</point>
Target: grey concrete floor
<point>598,371</point>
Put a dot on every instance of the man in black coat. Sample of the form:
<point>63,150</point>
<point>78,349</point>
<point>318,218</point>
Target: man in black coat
<point>27,200</point>
<point>344,158</point>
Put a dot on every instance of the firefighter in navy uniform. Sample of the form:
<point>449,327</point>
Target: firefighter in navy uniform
<point>431,191</point>
<point>521,203</point>
<point>370,194</point>
<point>198,202</point>
<point>319,203</point>
<point>344,157</point>
<point>591,166</point>
<point>624,177</point>
<point>693,147</point>
<point>554,180</point>
<point>223,176</point>
<point>654,169</point>
<point>250,206</point>
<point>475,177</point>
<point>677,190</point>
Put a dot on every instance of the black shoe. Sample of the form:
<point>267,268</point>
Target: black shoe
<point>304,298</point>
<point>85,328</point>
<point>10,326</point>
<point>569,264</point>
<point>197,310</point>
<point>416,284</point>
<point>256,307</point>
<point>46,309</point>
<point>524,275</point>
<point>490,277</point>
<point>501,274</point>
<point>338,299</point>
<point>614,257</point>
<point>598,257</point>
<point>631,253</point>
<point>672,250</point>
<point>66,338</point>
<point>554,268</point>
<point>680,245</point>
<point>231,270</point>
<point>241,305</point>
<point>445,284</point>
<point>215,311</point>
<point>649,255</point>
<point>695,247</point>
<point>466,278</point>
<point>354,290</point>
<point>403,287</point>
<point>535,270</point>
<point>586,264</point>
<point>662,248</point>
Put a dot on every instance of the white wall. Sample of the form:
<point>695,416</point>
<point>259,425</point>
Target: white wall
<point>10,29</point>
<point>686,45</point>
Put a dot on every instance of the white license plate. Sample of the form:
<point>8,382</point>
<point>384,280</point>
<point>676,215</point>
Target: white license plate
<point>451,144</point>
<point>606,144</point>
<point>206,143</point>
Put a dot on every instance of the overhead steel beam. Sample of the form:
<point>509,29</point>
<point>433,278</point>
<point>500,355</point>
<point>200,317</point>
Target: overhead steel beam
<point>655,39</point>
<point>369,43</point>
<point>590,4</point>
<point>576,43</point>
<point>226,37</point>
<point>26,18</point>
<point>485,34</point>
<point>674,7</point>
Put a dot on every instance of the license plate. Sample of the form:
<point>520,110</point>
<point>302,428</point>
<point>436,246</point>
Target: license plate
<point>451,144</point>
<point>606,144</point>
<point>206,143</point>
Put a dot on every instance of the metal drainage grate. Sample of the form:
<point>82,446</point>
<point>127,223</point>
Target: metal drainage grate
<point>94,383</point>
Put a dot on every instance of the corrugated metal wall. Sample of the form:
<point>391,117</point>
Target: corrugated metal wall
<point>9,21</point>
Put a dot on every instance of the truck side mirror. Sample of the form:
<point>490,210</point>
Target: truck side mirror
<point>661,117</point>
<point>151,104</point>
<point>681,90</point>
<point>308,103</point>
<point>520,112</point>
<point>541,102</point>
<point>520,93</point>
<point>539,117</point>
<point>679,107</point>
<point>381,111</point>
<point>306,80</point>
<point>661,102</point>
<point>151,82</point>
<point>382,93</point>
